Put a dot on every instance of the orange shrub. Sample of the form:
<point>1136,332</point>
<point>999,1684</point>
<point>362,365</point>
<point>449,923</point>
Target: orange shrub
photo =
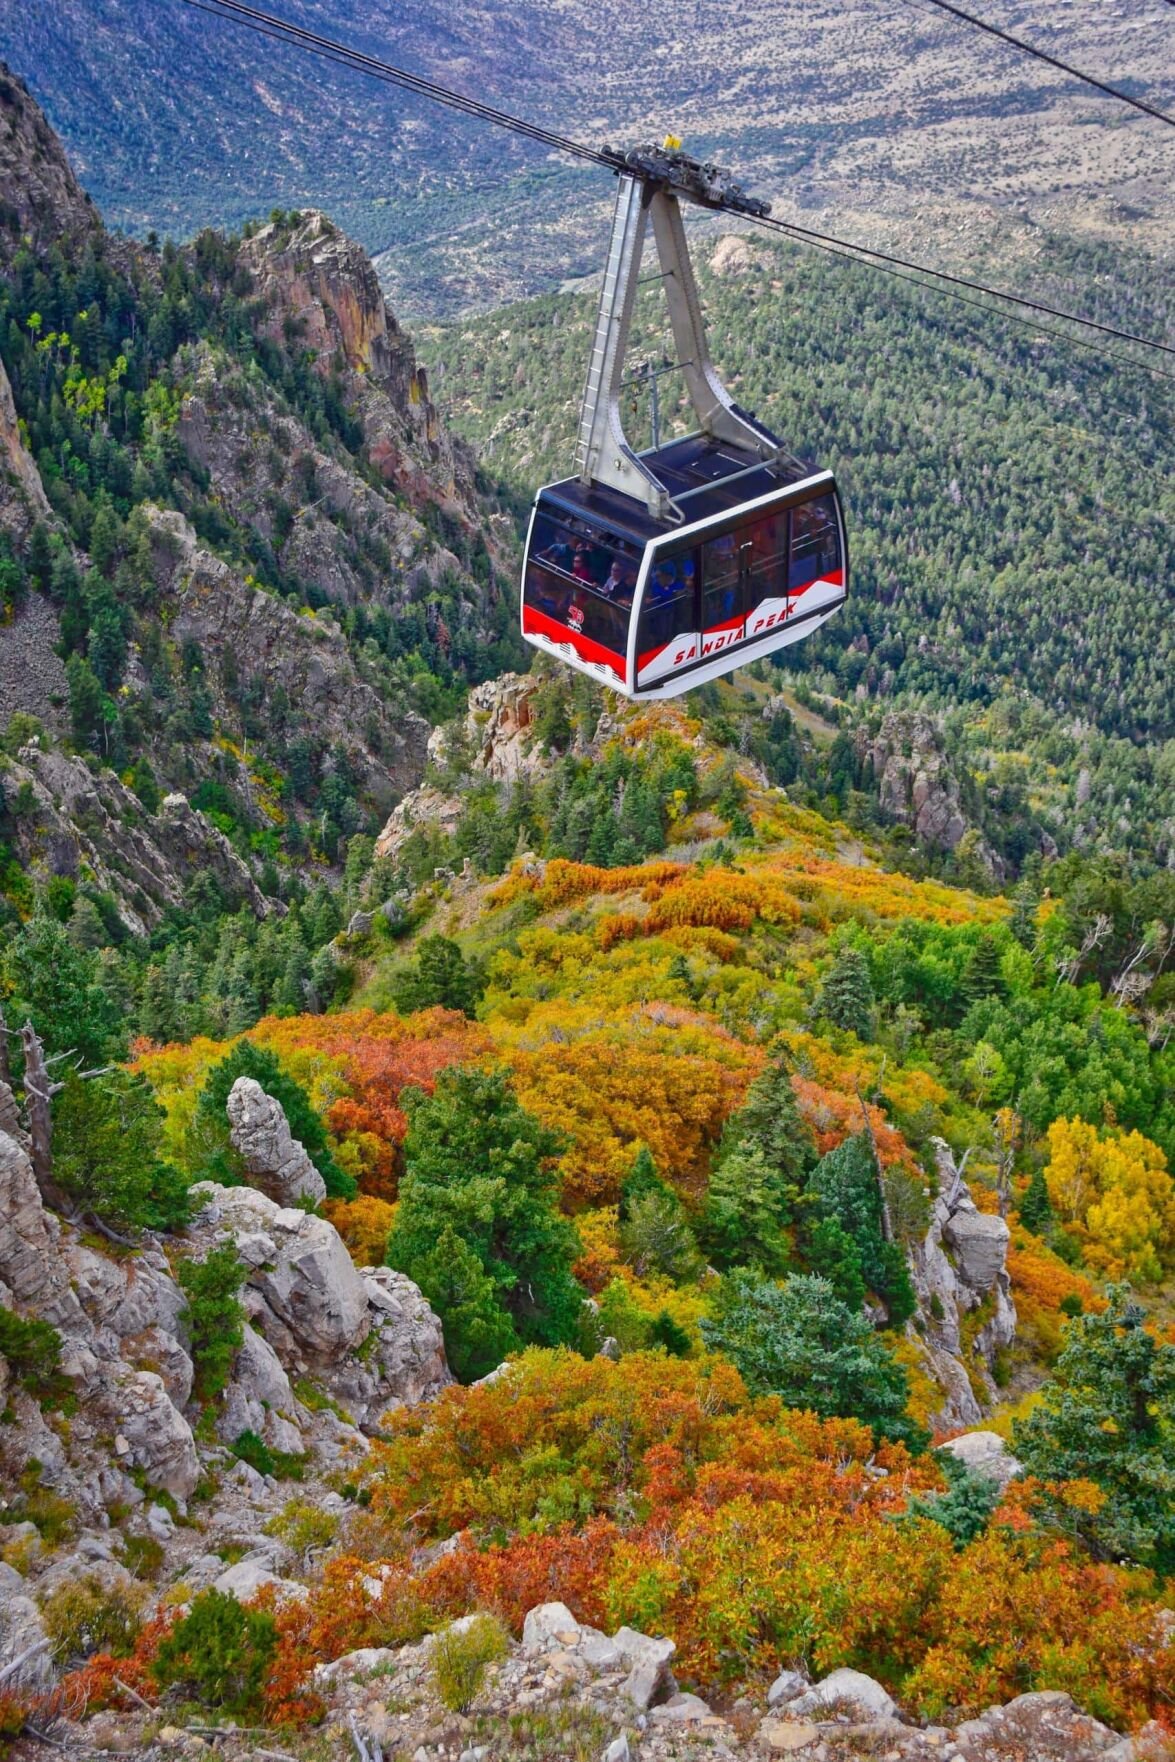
<point>364,1224</point>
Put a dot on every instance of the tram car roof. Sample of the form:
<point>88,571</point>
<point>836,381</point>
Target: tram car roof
<point>705,477</point>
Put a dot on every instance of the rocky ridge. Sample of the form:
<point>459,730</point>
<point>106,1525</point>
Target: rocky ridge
<point>117,1438</point>
<point>614,1696</point>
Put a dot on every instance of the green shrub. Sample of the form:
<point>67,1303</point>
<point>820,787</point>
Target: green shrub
<point>84,1616</point>
<point>143,1556</point>
<point>213,1317</point>
<point>284,1465</point>
<point>219,1654</point>
<point>459,1656</point>
<point>31,1347</point>
<point>303,1527</point>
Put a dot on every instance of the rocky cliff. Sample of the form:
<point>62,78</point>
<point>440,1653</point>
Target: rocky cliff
<point>41,200</point>
<point>113,1443</point>
<point>269,476</point>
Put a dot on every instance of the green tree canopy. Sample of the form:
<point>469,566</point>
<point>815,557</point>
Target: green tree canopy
<point>797,1340</point>
<point>439,974</point>
<point>846,996</point>
<point>1108,1415</point>
<point>478,1165</point>
<point>107,1152</point>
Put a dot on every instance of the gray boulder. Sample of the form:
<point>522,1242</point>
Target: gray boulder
<point>984,1453</point>
<point>260,1134</point>
<point>26,1660</point>
<point>549,1627</point>
<point>304,1296</point>
<point>259,1398</point>
<point>649,1678</point>
<point>980,1244</point>
<point>851,1688</point>
<point>787,1685</point>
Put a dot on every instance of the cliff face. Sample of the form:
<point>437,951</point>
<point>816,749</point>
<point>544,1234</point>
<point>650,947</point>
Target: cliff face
<point>273,478</point>
<point>40,198</point>
<point>321,283</point>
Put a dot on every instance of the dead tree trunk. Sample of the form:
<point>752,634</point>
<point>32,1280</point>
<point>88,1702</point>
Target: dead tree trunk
<point>5,1065</point>
<point>39,1091</point>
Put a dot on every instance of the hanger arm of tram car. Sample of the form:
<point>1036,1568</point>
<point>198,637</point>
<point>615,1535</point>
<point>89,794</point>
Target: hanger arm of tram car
<point>654,572</point>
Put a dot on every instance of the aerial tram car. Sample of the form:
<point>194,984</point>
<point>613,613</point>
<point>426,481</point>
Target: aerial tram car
<point>655,571</point>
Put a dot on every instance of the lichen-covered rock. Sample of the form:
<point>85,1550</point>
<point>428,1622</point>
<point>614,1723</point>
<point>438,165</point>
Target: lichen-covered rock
<point>1048,1726</point>
<point>979,1243</point>
<point>403,1357</point>
<point>260,1133</point>
<point>984,1453</point>
<point>369,1339</point>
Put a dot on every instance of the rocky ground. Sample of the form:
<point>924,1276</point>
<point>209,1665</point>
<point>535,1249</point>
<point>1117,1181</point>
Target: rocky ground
<point>570,1691</point>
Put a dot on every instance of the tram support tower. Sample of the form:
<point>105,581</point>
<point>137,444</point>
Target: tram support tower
<point>653,181</point>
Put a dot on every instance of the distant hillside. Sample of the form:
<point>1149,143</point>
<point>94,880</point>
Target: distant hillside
<point>900,119</point>
<point>1011,508</point>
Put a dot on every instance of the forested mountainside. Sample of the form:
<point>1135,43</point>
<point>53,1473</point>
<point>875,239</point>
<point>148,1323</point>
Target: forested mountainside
<point>660,1245</point>
<point>875,116</point>
<point>1011,511</point>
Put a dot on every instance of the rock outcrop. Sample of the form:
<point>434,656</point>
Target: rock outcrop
<point>86,823</point>
<point>368,1338</point>
<point>497,733</point>
<point>322,283</point>
<point>121,1349</point>
<point>917,786</point>
<point>210,605</point>
<point>43,203</point>
<point>984,1453</point>
<point>960,1271</point>
<point>260,1134</point>
<point>22,494</point>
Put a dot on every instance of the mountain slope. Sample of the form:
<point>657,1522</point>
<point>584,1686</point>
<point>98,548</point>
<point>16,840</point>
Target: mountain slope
<point>233,514</point>
<point>902,121</point>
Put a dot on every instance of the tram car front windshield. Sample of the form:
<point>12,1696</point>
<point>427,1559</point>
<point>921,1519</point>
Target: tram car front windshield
<point>755,560</point>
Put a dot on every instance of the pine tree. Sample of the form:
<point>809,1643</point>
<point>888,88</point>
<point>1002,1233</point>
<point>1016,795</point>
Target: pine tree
<point>846,995</point>
<point>982,976</point>
<point>1036,1208</point>
<point>770,1121</point>
<point>747,1207</point>
<point>477,1164</point>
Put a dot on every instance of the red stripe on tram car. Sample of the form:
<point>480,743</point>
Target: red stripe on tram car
<point>833,578</point>
<point>537,623</point>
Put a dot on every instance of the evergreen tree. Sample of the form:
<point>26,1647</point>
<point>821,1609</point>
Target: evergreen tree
<point>746,1209</point>
<point>1036,1208</point>
<point>107,1153</point>
<point>798,1341</point>
<point>641,1180</point>
<point>478,1331</point>
<point>982,976</point>
<point>439,975</point>
<point>58,986</point>
<point>770,1121</point>
<point>845,1187</point>
<point>1107,1415</point>
<point>477,1164</point>
<point>846,995</point>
